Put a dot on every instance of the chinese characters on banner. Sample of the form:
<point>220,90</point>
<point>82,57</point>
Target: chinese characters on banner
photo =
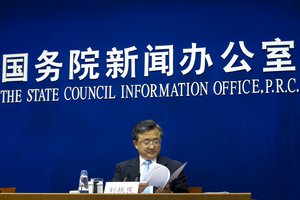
<point>121,63</point>
<point>160,58</point>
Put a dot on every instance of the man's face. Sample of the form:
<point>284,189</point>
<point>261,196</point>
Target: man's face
<point>148,144</point>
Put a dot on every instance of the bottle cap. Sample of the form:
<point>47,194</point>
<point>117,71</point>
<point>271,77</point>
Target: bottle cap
<point>84,172</point>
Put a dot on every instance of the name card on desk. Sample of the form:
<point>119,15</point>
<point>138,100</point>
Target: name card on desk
<point>121,188</point>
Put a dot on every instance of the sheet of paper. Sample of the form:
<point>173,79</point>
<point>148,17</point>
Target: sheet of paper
<point>224,192</point>
<point>177,172</point>
<point>158,175</point>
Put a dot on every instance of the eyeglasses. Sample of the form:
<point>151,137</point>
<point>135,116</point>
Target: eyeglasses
<point>147,143</point>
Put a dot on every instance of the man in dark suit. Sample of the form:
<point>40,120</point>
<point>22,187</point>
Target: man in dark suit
<point>147,137</point>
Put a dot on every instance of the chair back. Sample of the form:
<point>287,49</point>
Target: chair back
<point>8,190</point>
<point>195,189</point>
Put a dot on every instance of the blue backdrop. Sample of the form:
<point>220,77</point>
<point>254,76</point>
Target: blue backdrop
<point>246,140</point>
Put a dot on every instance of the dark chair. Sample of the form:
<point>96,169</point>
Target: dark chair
<point>8,190</point>
<point>195,189</point>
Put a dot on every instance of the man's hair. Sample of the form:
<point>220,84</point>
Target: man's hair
<point>145,126</point>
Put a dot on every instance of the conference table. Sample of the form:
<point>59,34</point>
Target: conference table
<point>173,196</point>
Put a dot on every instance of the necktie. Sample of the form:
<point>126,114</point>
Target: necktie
<point>147,165</point>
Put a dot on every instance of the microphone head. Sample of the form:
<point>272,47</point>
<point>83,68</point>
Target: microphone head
<point>137,178</point>
<point>126,177</point>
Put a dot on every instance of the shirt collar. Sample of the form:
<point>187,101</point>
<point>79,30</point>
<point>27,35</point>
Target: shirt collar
<point>142,160</point>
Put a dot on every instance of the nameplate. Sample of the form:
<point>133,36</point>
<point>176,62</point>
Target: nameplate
<point>121,188</point>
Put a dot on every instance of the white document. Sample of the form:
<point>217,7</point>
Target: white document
<point>177,172</point>
<point>159,176</point>
<point>224,192</point>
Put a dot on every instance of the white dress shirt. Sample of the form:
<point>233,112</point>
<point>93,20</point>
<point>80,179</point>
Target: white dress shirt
<point>142,167</point>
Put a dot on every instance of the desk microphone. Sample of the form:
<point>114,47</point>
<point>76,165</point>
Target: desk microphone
<point>137,178</point>
<point>126,177</point>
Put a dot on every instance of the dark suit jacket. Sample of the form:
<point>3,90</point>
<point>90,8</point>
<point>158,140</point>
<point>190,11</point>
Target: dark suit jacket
<point>131,170</point>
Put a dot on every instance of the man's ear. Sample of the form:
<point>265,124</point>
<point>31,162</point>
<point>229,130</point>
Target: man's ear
<point>134,143</point>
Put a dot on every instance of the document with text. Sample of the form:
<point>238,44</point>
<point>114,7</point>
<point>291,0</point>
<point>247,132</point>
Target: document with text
<point>159,175</point>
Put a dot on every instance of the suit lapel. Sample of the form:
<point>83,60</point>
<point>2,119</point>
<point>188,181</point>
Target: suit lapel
<point>162,161</point>
<point>134,169</point>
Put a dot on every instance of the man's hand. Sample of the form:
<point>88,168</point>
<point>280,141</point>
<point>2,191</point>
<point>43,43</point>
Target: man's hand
<point>164,190</point>
<point>142,186</point>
